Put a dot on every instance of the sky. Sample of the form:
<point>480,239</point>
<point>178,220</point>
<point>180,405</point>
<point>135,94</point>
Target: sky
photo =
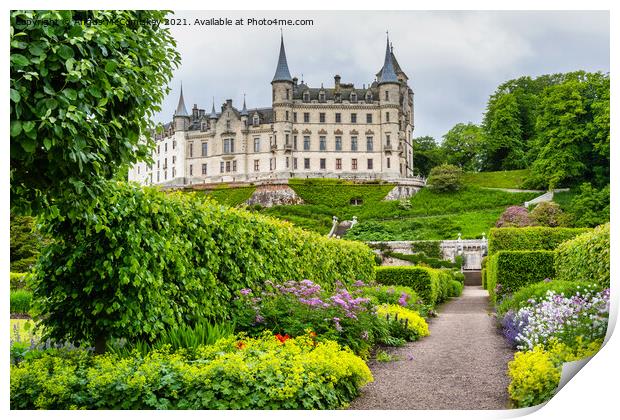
<point>454,60</point>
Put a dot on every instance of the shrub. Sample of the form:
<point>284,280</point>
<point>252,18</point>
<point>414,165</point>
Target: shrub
<point>514,216</point>
<point>530,238</point>
<point>535,374</point>
<point>397,295</point>
<point>235,373</point>
<point>19,281</point>
<point>445,178</point>
<point>143,261</point>
<point>508,271</point>
<point>455,288</point>
<point>431,249</point>
<point>590,207</point>
<point>20,301</point>
<point>537,291</point>
<point>586,257</point>
<point>425,281</point>
<point>548,214</point>
<point>557,317</point>
<point>416,325</point>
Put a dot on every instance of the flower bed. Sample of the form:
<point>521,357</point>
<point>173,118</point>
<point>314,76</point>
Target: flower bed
<point>235,373</point>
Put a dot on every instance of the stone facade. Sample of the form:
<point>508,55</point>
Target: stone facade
<point>308,132</point>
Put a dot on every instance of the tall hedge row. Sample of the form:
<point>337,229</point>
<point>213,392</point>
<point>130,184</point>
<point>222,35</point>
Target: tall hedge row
<point>508,271</point>
<point>586,257</point>
<point>530,238</point>
<point>432,285</point>
<point>142,261</point>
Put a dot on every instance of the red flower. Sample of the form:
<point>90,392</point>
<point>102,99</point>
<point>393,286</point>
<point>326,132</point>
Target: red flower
<point>240,345</point>
<point>282,338</point>
<point>312,334</point>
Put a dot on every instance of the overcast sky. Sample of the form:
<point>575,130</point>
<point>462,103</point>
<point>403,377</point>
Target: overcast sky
<point>454,60</point>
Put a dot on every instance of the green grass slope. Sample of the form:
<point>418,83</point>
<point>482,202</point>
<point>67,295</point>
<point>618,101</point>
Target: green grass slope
<point>499,179</point>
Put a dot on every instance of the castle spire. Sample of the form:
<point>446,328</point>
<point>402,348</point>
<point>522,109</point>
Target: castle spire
<point>388,75</point>
<point>213,115</point>
<point>244,111</point>
<point>181,110</point>
<point>282,72</point>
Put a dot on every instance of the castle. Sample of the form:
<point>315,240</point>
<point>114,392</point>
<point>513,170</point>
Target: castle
<point>336,132</point>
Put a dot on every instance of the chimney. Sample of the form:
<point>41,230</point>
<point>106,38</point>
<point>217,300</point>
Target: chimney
<point>337,81</point>
<point>229,103</point>
<point>295,81</point>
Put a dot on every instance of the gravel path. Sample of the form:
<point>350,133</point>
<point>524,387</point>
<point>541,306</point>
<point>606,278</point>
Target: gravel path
<point>460,366</point>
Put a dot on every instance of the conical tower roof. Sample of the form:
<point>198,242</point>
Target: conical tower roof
<point>213,114</point>
<point>244,111</point>
<point>181,110</point>
<point>282,72</point>
<point>388,74</point>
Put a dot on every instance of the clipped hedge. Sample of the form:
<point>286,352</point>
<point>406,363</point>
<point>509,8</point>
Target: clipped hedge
<point>431,249</point>
<point>508,271</point>
<point>530,238</point>
<point>483,272</point>
<point>234,373</point>
<point>21,300</point>
<point>425,281</point>
<point>586,257</point>
<point>455,288</point>
<point>422,258</point>
<point>142,261</point>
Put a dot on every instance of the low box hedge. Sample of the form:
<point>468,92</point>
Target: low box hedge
<point>530,238</point>
<point>425,281</point>
<point>585,258</point>
<point>508,271</point>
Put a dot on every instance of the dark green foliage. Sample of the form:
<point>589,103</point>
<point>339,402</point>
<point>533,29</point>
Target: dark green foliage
<point>529,238</point>
<point>483,272</point>
<point>81,97</point>
<point>445,178</point>
<point>182,337</point>
<point>499,179</point>
<point>503,147</point>
<point>26,243</point>
<point>20,301</point>
<point>421,258</point>
<point>431,249</point>
<point>508,271</point>
<point>573,137</point>
<point>144,261</point>
<point>538,291</point>
<point>461,146</point>
<point>19,281</point>
<point>586,257</point>
<point>425,281</point>
<point>548,214</point>
<point>588,207</point>
<point>231,196</point>
<point>426,155</point>
<point>329,192</point>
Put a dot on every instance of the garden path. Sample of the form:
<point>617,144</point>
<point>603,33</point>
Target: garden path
<point>460,366</point>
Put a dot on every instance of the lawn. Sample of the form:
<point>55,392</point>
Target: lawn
<point>231,196</point>
<point>499,179</point>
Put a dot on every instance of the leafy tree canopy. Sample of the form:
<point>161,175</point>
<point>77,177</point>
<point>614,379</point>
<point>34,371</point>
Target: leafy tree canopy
<point>82,96</point>
<point>426,154</point>
<point>461,146</point>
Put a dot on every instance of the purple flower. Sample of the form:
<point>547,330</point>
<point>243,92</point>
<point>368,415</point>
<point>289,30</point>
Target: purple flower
<point>359,283</point>
<point>337,324</point>
<point>403,299</point>
<point>245,292</point>
<point>259,319</point>
<point>547,280</point>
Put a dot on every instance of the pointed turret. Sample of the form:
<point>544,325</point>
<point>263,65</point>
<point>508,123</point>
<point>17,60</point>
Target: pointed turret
<point>244,111</point>
<point>181,110</point>
<point>388,74</point>
<point>213,115</point>
<point>282,72</point>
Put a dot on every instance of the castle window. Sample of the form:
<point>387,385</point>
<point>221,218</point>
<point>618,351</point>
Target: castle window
<point>234,165</point>
<point>370,163</point>
<point>191,150</point>
<point>174,160</point>
<point>256,144</point>
<point>204,169</point>
<point>174,144</point>
<point>353,97</point>
<point>322,143</point>
<point>205,149</point>
<point>255,120</point>
<point>368,96</point>
<point>338,118</point>
<point>157,176</point>
<point>306,117</point>
<point>387,116</point>
<point>387,95</point>
<point>338,143</point>
<point>306,163</point>
<point>157,164</point>
<point>369,144</point>
<point>165,163</point>
<point>354,164</point>
<point>322,117</point>
<point>369,118</point>
<point>165,175</point>
<point>221,167</point>
<point>158,150</point>
<point>286,115</point>
<point>353,118</point>
<point>354,144</point>
<point>174,172</point>
<point>287,139</point>
<point>165,147</point>
<point>337,98</point>
<point>322,164</point>
<point>294,117</point>
<point>294,142</point>
<point>294,163</point>
<point>287,162</point>
<point>229,146</point>
<point>306,142</point>
<point>338,163</point>
<point>322,97</point>
<point>256,165</point>
<point>387,139</point>
<point>228,166</point>
<point>306,96</point>
<point>388,163</point>
<point>288,94</point>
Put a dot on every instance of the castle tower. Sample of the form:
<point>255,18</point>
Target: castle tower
<point>282,103</point>
<point>181,117</point>
<point>389,100</point>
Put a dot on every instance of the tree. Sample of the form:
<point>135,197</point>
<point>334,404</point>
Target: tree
<point>446,178</point>
<point>573,133</point>
<point>461,146</point>
<point>590,207</point>
<point>503,147</point>
<point>426,154</point>
<point>83,91</point>
<point>26,243</point>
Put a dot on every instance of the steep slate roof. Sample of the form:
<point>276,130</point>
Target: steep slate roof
<point>397,67</point>
<point>330,93</point>
<point>282,73</point>
<point>181,110</point>
<point>388,74</point>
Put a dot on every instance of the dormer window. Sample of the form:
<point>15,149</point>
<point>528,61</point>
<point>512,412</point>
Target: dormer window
<point>353,97</point>
<point>337,98</point>
<point>306,96</point>
<point>255,120</point>
<point>368,96</point>
<point>321,96</point>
